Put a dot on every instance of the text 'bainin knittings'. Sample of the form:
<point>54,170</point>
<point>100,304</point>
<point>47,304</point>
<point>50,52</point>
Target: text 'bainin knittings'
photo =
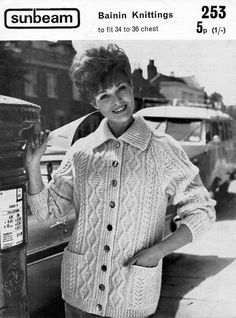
<point>135,15</point>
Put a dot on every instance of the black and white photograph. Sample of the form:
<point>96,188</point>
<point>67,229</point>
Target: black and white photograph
<point>117,171</point>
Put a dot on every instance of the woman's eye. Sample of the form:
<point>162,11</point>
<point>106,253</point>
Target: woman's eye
<point>105,96</point>
<point>122,87</point>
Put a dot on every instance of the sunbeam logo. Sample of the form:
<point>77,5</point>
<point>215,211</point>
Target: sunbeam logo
<point>53,18</point>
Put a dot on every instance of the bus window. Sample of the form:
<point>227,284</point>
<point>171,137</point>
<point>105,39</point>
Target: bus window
<point>226,128</point>
<point>229,129</point>
<point>222,130</point>
<point>184,129</point>
<point>215,129</point>
<point>208,132</point>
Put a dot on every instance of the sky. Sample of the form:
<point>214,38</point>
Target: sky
<point>212,62</point>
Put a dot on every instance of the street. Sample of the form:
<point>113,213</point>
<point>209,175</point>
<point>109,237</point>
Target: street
<point>199,280</point>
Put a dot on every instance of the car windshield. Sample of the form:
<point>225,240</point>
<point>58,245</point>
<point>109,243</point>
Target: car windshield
<point>182,129</point>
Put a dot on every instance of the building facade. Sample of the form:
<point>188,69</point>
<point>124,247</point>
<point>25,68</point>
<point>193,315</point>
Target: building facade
<point>46,81</point>
<point>183,89</point>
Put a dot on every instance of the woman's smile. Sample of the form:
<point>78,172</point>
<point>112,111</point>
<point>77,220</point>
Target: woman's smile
<point>120,109</point>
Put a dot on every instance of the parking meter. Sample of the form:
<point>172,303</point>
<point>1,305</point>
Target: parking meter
<point>16,117</point>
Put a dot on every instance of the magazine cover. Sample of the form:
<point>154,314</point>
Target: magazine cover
<point>117,159</point>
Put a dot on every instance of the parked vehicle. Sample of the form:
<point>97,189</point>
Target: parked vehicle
<point>206,134</point>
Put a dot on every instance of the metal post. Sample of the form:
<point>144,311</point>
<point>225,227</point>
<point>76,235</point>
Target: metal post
<point>16,116</point>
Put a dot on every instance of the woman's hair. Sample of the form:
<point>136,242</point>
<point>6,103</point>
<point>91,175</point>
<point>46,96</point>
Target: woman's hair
<point>99,68</point>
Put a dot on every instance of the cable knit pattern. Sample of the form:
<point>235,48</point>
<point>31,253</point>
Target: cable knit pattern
<point>120,189</point>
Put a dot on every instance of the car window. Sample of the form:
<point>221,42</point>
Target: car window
<point>185,129</point>
<point>182,129</point>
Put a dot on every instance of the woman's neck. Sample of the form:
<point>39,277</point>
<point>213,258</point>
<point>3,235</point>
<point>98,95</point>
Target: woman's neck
<point>119,128</point>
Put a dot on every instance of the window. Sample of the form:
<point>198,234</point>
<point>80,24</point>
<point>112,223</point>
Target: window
<point>188,130</point>
<point>52,85</point>
<point>215,129</point>
<point>60,118</point>
<point>208,132</point>
<point>229,129</point>
<point>182,129</point>
<point>30,84</point>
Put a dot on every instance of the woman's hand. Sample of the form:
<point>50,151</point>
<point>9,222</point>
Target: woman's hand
<point>35,148</point>
<point>149,257</point>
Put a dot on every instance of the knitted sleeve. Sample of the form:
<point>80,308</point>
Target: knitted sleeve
<point>55,199</point>
<point>186,191</point>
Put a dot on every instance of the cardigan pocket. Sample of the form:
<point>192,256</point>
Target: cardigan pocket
<point>143,285</point>
<point>72,277</point>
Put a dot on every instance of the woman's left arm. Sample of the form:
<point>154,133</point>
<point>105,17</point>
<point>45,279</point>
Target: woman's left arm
<point>197,213</point>
<point>194,207</point>
<point>151,256</point>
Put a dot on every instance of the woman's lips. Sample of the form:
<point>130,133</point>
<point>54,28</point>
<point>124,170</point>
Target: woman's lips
<point>120,109</point>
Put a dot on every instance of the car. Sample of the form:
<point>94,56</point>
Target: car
<point>206,134</point>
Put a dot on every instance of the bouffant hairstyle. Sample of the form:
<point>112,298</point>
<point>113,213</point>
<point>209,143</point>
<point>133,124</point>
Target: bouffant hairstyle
<point>99,68</point>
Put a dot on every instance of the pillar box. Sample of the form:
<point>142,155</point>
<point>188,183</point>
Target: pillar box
<point>16,118</point>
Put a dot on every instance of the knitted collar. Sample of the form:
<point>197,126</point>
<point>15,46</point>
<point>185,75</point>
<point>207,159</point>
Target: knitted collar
<point>137,135</point>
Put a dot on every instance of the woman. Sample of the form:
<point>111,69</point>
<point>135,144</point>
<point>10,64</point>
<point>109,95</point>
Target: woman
<point>120,180</point>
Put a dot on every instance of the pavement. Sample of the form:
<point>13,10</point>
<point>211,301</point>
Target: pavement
<point>199,280</point>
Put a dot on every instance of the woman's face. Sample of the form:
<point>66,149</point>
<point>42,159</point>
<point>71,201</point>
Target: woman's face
<point>116,102</point>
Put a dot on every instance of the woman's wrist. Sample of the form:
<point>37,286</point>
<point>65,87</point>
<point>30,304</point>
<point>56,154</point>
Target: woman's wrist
<point>176,240</point>
<point>32,167</point>
<point>161,249</point>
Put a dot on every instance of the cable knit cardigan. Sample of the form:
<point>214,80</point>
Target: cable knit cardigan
<point>120,189</point>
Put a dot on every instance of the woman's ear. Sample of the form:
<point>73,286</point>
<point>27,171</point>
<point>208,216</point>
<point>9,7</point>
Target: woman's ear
<point>131,84</point>
<point>93,103</point>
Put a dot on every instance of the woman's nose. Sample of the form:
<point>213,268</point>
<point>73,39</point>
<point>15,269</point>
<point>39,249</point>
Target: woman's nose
<point>116,99</point>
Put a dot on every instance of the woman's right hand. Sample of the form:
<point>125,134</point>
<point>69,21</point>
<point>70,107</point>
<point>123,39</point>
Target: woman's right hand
<point>35,148</point>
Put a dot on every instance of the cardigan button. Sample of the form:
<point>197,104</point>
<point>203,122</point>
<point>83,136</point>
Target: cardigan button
<point>117,144</point>
<point>101,287</point>
<point>104,268</point>
<point>109,227</point>
<point>106,248</point>
<point>114,183</point>
<point>112,204</point>
<point>99,307</point>
<point>115,163</point>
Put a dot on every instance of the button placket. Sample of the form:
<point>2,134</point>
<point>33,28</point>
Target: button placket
<point>105,265</point>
